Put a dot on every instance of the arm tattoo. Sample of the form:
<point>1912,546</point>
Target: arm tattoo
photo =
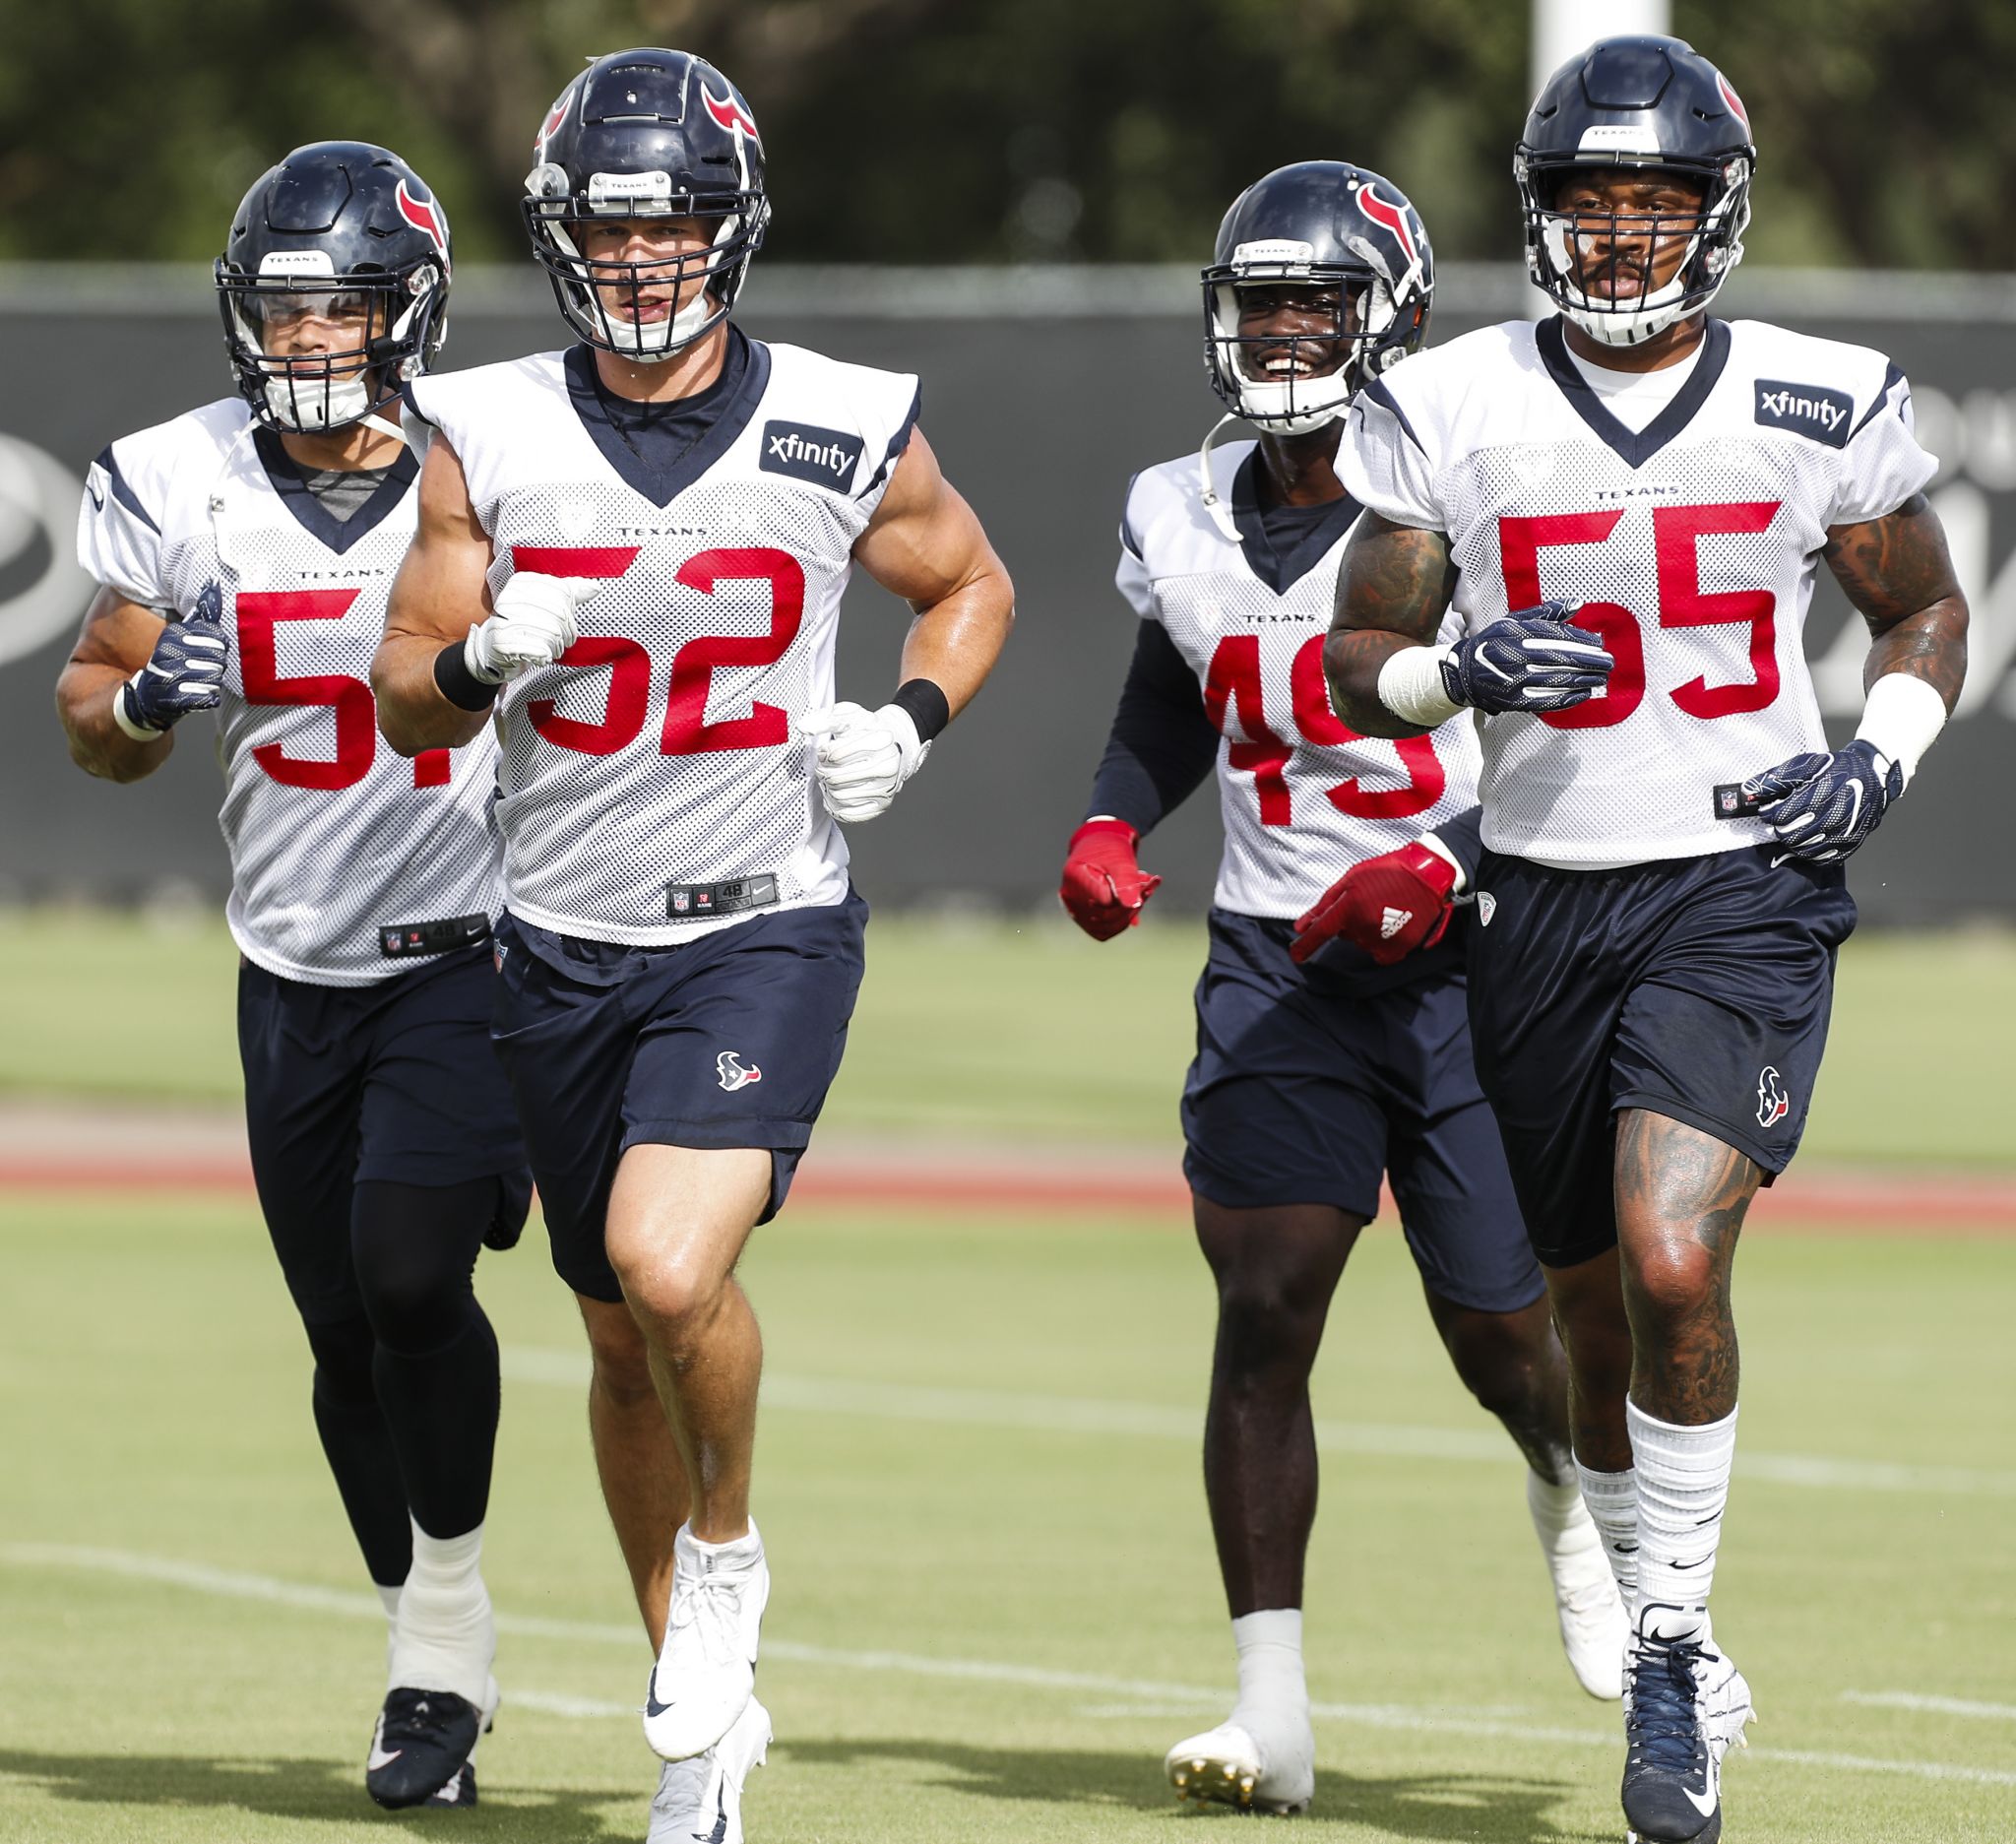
<point>1896,571</point>
<point>1392,587</point>
<point>1681,1194</point>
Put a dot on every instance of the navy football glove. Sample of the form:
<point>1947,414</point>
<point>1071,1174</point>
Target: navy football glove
<point>186,671</point>
<point>1530,660</point>
<point>1823,806</point>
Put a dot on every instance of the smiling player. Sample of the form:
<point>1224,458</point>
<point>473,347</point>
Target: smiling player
<point>1317,1072</point>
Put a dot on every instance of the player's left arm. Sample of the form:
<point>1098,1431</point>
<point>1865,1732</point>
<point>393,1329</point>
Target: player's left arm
<point>925,544</point>
<point>1897,573</point>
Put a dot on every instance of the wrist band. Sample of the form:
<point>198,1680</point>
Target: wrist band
<point>1410,687</point>
<point>929,708</point>
<point>1902,717</point>
<point>122,715</point>
<point>457,683</point>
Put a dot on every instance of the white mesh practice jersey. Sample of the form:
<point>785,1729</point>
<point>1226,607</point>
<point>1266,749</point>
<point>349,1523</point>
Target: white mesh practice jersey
<point>335,841</point>
<point>1303,798</point>
<point>1691,547</point>
<point>660,756</point>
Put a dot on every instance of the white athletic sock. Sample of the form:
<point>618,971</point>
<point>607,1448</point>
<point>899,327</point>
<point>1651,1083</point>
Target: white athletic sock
<point>1682,1488</point>
<point>1561,1519</point>
<point>1271,1679</point>
<point>388,1598</point>
<point>444,1639</point>
<point>1613,1500</point>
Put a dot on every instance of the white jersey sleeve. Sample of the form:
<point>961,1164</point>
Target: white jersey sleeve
<point>118,534</point>
<point>1382,463</point>
<point>1883,465</point>
<point>1130,574</point>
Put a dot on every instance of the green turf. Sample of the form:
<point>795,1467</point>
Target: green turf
<point>992,1030</point>
<point>154,1386</point>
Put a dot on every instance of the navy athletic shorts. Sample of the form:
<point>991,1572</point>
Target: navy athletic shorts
<point>1697,988</point>
<point>394,1082</point>
<point>1305,1089</point>
<point>731,1039</point>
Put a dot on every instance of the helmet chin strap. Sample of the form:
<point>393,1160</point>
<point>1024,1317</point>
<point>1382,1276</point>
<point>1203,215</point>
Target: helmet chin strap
<point>1220,513</point>
<point>344,403</point>
<point>669,337</point>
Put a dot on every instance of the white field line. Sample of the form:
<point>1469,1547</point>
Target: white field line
<point>235,1585</point>
<point>1933,1705</point>
<point>1082,1414</point>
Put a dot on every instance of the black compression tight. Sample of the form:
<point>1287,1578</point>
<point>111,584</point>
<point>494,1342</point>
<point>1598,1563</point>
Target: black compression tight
<point>406,1390</point>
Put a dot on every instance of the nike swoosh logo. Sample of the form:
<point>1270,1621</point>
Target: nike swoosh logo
<point>653,1708</point>
<point>98,499</point>
<point>378,1757</point>
<point>1702,1803</point>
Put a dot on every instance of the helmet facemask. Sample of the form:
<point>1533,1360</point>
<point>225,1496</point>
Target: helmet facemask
<point>396,318</point>
<point>1293,383</point>
<point>604,300</point>
<point>1568,252</point>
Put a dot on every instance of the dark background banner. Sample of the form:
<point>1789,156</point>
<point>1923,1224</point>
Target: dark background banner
<point>1042,394</point>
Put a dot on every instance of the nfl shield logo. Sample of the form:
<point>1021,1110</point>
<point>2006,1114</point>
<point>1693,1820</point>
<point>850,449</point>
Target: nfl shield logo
<point>1728,796</point>
<point>681,902</point>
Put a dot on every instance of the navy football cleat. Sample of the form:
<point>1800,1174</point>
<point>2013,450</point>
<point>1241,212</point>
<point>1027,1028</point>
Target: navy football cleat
<point>422,1748</point>
<point>1684,1707</point>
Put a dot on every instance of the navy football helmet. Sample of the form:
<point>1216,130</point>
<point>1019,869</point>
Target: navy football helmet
<point>345,227</point>
<point>1643,103</point>
<point>1320,223</point>
<point>647,134</point>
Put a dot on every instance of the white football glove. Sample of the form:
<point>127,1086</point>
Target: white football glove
<point>535,621</point>
<point>862,756</point>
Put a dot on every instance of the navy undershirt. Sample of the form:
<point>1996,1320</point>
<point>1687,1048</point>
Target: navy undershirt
<point>660,434</point>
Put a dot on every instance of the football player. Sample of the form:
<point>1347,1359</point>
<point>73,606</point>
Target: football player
<point>1317,1072</point>
<point>245,551</point>
<point>1629,502</point>
<point>631,556</point>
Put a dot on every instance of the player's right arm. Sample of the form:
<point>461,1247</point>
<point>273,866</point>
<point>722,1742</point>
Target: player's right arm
<point>118,639</point>
<point>1386,674</point>
<point>1392,587</point>
<point>441,592</point>
<point>1160,750</point>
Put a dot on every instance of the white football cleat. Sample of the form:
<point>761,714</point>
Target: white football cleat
<point>699,1800</point>
<point>1258,1762</point>
<point>1596,1626</point>
<point>706,1674</point>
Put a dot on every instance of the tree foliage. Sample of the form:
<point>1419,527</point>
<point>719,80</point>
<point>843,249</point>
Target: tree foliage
<point>990,130</point>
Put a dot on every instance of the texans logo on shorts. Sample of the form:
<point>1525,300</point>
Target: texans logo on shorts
<point>733,1075</point>
<point>1773,1103</point>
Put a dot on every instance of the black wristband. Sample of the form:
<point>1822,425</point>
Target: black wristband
<point>458,685</point>
<point>930,709</point>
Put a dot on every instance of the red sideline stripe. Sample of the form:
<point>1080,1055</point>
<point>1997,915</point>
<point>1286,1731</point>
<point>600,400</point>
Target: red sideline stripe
<point>1879,1202</point>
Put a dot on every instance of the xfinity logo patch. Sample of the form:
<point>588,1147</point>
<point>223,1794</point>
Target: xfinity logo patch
<point>824,457</point>
<point>1808,410</point>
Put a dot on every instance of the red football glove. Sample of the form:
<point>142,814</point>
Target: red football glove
<point>1104,886</point>
<point>1390,906</point>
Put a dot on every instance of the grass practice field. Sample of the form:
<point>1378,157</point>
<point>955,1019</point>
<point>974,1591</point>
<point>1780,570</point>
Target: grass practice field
<point>995,1602</point>
<point>1004,1030</point>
